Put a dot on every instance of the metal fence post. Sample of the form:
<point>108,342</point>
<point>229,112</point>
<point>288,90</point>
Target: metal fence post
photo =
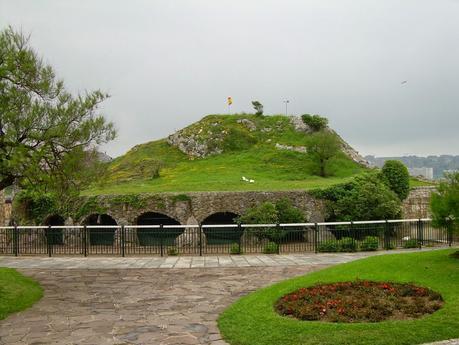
<point>161,234</point>
<point>49,243</point>
<point>278,228</point>
<point>15,241</point>
<point>316,238</point>
<point>123,240</point>
<point>200,239</point>
<point>85,241</point>
<point>240,234</point>
<point>386,236</point>
<point>420,234</point>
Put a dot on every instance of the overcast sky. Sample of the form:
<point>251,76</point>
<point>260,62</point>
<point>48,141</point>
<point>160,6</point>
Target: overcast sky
<point>168,63</point>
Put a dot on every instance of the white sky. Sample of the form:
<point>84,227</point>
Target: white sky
<point>168,63</point>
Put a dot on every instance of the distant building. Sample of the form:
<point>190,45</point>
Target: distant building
<point>424,172</point>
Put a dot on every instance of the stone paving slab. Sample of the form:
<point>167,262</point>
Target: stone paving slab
<point>104,262</point>
<point>135,306</point>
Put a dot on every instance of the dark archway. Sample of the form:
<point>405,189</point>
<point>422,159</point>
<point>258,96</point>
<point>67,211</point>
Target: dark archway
<point>55,236</point>
<point>101,236</point>
<point>222,235</point>
<point>155,236</point>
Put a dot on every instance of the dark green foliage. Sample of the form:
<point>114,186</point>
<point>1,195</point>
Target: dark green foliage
<point>364,198</point>
<point>271,248</point>
<point>396,176</point>
<point>315,122</point>
<point>258,107</point>
<point>369,243</point>
<point>329,246</point>
<point>412,243</point>
<point>271,213</point>
<point>238,140</point>
<point>347,244</point>
<point>235,249</point>
<point>172,251</point>
<point>322,147</point>
<point>41,123</point>
<point>445,203</point>
<point>31,205</point>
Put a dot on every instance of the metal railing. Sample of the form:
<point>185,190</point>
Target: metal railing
<point>168,240</point>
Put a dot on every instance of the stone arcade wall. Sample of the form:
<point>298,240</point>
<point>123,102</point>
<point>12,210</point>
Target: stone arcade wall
<point>194,207</point>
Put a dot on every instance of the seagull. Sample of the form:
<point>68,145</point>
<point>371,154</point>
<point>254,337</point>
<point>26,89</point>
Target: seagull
<point>404,82</point>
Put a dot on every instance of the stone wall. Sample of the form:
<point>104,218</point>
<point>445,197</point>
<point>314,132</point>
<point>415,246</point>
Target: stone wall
<point>5,210</point>
<point>417,205</point>
<point>194,207</point>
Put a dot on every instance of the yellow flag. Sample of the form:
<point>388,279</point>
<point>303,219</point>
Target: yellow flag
<point>230,101</point>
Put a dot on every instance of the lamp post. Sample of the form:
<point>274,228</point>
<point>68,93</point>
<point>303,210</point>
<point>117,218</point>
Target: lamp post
<point>286,106</point>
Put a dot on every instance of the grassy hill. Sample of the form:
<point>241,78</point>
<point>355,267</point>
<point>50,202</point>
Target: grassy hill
<point>235,146</point>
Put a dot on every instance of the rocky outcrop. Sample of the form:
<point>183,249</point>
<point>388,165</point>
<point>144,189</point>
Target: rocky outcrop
<point>301,149</point>
<point>191,145</point>
<point>248,124</point>
<point>299,125</point>
<point>350,151</point>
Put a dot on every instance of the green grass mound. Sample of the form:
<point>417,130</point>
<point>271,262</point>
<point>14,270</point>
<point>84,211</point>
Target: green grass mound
<point>254,320</point>
<point>16,292</point>
<point>240,151</point>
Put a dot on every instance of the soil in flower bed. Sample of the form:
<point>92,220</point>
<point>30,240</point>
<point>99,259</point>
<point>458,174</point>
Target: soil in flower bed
<point>359,301</point>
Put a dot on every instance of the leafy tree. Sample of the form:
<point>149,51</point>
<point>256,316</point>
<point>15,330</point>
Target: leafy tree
<point>42,125</point>
<point>282,211</point>
<point>396,176</point>
<point>315,122</point>
<point>364,198</point>
<point>258,107</point>
<point>322,147</point>
<point>445,203</point>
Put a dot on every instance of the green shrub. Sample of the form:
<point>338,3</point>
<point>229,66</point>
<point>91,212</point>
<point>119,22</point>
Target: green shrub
<point>445,203</point>
<point>316,122</point>
<point>412,243</point>
<point>369,243</point>
<point>366,197</point>
<point>271,248</point>
<point>347,244</point>
<point>282,211</point>
<point>235,249</point>
<point>396,176</point>
<point>329,246</point>
<point>172,251</point>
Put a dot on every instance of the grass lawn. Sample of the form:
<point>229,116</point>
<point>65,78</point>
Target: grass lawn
<point>253,321</point>
<point>16,292</point>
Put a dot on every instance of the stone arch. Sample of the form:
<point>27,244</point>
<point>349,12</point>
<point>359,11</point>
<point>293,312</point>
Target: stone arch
<point>55,236</point>
<point>222,235</point>
<point>101,236</point>
<point>155,236</point>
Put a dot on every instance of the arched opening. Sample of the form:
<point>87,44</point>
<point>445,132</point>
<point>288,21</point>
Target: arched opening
<point>222,235</point>
<point>155,236</point>
<point>55,236</point>
<point>101,236</point>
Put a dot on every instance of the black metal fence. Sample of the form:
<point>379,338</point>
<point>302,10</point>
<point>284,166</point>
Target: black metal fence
<point>234,239</point>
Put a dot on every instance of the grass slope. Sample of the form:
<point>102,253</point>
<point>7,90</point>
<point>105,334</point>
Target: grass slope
<point>16,292</point>
<point>245,153</point>
<point>253,321</point>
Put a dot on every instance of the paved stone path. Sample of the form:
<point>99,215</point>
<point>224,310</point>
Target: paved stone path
<point>107,262</point>
<point>135,306</point>
<point>97,301</point>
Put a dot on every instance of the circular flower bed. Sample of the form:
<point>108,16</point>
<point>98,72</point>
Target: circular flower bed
<point>359,301</point>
